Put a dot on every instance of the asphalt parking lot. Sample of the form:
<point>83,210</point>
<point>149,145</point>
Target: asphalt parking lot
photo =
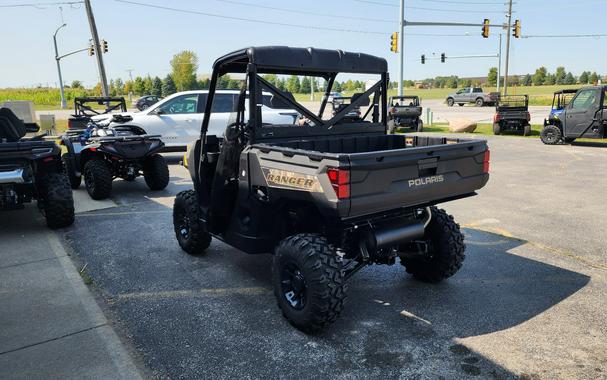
<point>529,301</point>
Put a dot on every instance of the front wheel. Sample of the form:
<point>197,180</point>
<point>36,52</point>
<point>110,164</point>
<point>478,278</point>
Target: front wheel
<point>446,250</point>
<point>156,172</point>
<point>450,102</point>
<point>550,135</point>
<point>57,200</point>
<point>190,232</point>
<point>309,281</point>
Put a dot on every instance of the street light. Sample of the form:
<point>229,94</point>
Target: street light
<point>57,58</point>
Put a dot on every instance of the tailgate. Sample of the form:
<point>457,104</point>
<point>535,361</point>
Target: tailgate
<point>416,175</point>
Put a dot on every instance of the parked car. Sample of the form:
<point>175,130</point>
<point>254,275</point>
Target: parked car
<point>177,118</point>
<point>472,95</point>
<point>145,102</point>
<point>333,95</point>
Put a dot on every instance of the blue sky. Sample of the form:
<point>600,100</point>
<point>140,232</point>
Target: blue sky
<point>144,39</point>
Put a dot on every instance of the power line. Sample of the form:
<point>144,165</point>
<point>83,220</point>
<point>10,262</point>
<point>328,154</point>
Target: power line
<point>565,36</point>
<point>465,2</point>
<point>40,5</point>
<point>298,11</point>
<point>266,22</point>
<point>425,8</point>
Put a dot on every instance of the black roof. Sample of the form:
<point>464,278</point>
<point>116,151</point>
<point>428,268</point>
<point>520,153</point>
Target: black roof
<point>302,61</point>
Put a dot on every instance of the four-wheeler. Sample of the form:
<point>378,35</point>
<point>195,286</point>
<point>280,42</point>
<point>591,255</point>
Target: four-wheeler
<point>341,102</point>
<point>30,168</point>
<point>87,107</point>
<point>405,111</point>
<point>326,197</point>
<point>512,114</point>
<point>472,95</point>
<point>584,116</point>
<point>101,154</point>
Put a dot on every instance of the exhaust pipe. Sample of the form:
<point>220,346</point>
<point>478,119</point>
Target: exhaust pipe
<point>389,236</point>
<point>12,176</point>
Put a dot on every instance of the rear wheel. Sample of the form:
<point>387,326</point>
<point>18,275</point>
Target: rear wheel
<point>75,180</point>
<point>527,130</point>
<point>450,102</point>
<point>156,172</point>
<point>309,281</point>
<point>420,126</point>
<point>98,179</point>
<point>550,135</point>
<point>190,232</point>
<point>446,250</point>
<point>57,200</point>
<point>479,102</point>
<point>497,129</point>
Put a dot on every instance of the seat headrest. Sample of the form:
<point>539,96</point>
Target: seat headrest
<point>357,95</point>
<point>12,128</point>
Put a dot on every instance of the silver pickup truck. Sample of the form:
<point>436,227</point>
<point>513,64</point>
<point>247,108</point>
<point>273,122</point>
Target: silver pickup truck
<point>471,95</point>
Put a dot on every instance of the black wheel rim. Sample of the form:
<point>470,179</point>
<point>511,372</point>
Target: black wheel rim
<point>293,286</point>
<point>550,137</point>
<point>183,227</point>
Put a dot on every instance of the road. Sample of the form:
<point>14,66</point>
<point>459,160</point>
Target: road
<point>529,301</point>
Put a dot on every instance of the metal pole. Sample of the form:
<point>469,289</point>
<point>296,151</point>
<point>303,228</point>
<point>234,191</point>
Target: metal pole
<point>508,46</point>
<point>63,102</point>
<point>499,64</point>
<point>312,88</point>
<point>97,46</point>
<point>401,47</point>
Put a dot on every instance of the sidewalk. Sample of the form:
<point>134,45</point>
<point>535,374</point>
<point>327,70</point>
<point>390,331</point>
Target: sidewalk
<point>50,324</point>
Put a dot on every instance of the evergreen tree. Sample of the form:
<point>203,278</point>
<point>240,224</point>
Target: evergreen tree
<point>156,87</point>
<point>540,76</point>
<point>293,85</point>
<point>119,86</point>
<point>492,76</point>
<point>527,81</point>
<point>550,79</point>
<point>559,76</point>
<point>147,85</point>
<point>584,77</point>
<point>138,86</point>
<point>569,79</point>
<point>305,86</point>
<point>168,86</point>
<point>594,78</point>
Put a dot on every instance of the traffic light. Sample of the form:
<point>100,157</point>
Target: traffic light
<point>394,42</point>
<point>104,46</point>
<point>91,50</point>
<point>423,59</point>
<point>485,32</point>
<point>516,29</point>
<point>443,57</point>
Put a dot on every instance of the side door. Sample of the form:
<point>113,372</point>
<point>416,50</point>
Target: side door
<point>460,95</point>
<point>221,114</point>
<point>175,120</point>
<point>580,114</point>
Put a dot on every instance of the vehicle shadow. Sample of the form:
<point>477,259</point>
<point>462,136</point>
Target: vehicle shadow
<point>602,144</point>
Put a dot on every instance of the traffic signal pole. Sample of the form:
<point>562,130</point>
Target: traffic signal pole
<point>97,46</point>
<point>401,47</point>
<point>507,47</point>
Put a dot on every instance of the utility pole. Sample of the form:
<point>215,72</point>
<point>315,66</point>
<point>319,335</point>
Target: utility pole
<point>63,102</point>
<point>97,46</point>
<point>499,63</point>
<point>401,27</point>
<point>130,71</point>
<point>509,16</point>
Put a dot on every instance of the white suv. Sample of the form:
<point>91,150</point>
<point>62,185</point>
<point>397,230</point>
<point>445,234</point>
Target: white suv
<point>178,117</point>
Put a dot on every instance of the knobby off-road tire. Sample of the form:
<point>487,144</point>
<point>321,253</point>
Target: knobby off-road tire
<point>446,250</point>
<point>550,135</point>
<point>189,231</point>
<point>57,200</point>
<point>98,179</point>
<point>450,102</point>
<point>527,130</point>
<point>75,180</point>
<point>309,281</point>
<point>156,172</point>
<point>497,129</point>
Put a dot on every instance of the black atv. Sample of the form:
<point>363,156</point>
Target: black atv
<point>101,154</point>
<point>405,112</point>
<point>30,168</point>
<point>512,115</point>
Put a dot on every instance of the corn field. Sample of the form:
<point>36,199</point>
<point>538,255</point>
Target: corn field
<point>43,96</point>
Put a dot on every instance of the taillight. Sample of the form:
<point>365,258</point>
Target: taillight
<point>528,116</point>
<point>486,159</point>
<point>69,124</point>
<point>340,180</point>
<point>496,118</point>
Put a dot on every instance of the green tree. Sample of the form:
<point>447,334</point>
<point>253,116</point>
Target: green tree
<point>112,88</point>
<point>550,79</point>
<point>156,87</point>
<point>540,76</point>
<point>559,75</point>
<point>183,70</point>
<point>492,76</point>
<point>293,85</point>
<point>594,78</point>
<point>336,86</point>
<point>119,86</point>
<point>204,84</point>
<point>451,82</point>
<point>570,79</point>
<point>584,77</point>
<point>76,84</point>
<point>128,87</point>
<point>138,86</point>
<point>527,80</point>
<point>305,86</point>
<point>168,86</point>
<point>234,84</point>
<point>147,85</point>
